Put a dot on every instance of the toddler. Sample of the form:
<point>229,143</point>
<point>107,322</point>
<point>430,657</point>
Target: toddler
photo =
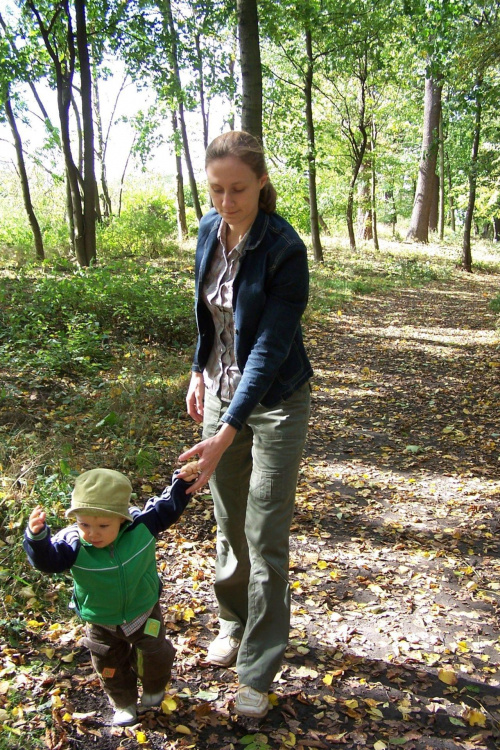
<point>110,552</point>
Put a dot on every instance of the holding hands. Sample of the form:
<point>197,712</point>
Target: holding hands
<point>36,520</point>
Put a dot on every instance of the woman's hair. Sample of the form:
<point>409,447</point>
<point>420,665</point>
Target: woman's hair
<point>247,148</point>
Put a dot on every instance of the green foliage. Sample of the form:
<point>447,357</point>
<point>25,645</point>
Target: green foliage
<point>67,323</point>
<point>145,227</point>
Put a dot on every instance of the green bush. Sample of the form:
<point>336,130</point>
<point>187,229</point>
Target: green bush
<point>67,323</point>
<point>145,227</point>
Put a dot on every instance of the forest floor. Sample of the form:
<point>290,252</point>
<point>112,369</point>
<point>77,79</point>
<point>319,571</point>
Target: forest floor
<point>395,556</point>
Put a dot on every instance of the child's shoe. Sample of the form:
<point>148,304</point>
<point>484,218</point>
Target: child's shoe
<point>150,700</point>
<point>124,717</point>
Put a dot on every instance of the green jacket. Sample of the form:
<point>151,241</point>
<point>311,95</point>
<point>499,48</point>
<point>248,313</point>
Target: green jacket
<point>114,584</point>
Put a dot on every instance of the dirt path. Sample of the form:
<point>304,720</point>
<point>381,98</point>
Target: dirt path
<point>395,551</point>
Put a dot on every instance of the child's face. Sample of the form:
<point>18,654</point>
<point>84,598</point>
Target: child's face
<point>100,531</point>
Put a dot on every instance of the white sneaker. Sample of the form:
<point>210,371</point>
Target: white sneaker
<point>223,650</point>
<point>124,717</point>
<point>250,702</point>
<point>149,700</point>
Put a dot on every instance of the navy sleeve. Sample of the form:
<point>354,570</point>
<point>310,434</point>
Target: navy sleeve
<point>52,554</point>
<point>162,512</point>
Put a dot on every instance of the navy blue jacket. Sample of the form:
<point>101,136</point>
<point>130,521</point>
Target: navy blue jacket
<point>269,297</point>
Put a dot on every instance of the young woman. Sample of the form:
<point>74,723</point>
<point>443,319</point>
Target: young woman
<point>249,387</point>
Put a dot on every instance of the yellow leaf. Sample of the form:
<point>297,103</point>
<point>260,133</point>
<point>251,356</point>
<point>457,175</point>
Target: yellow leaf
<point>55,626</point>
<point>328,679</point>
<point>146,488</point>
<point>141,738</point>
<point>56,701</point>
<point>352,703</point>
<point>49,652</point>
<point>35,624</point>
<point>68,658</point>
<point>322,564</point>
<point>273,699</point>
<point>182,729</point>
<point>475,718</point>
<point>188,614</point>
<point>67,717</point>
<point>379,745</point>
<point>291,741</point>
<point>448,676</point>
<point>168,705</point>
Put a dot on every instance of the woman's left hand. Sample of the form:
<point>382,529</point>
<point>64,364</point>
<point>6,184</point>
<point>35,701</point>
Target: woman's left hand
<point>209,453</point>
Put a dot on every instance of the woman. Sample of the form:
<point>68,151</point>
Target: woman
<point>249,387</point>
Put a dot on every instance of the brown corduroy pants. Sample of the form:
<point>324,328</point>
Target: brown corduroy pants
<point>121,660</point>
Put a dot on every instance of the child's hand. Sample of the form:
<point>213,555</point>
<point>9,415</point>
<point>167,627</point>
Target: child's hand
<point>36,520</point>
<point>189,472</point>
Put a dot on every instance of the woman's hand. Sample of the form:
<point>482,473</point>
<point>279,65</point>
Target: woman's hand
<point>195,396</point>
<point>36,521</point>
<point>209,453</point>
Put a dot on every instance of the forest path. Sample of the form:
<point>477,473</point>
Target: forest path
<point>394,550</point>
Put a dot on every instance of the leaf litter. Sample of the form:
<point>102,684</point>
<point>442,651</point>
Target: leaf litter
<point>394,561</point>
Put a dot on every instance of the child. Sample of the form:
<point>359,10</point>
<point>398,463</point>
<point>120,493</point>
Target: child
<point>110,551</point>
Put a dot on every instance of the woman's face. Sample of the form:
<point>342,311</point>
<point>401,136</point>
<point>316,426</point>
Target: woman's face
<point>235,189</point>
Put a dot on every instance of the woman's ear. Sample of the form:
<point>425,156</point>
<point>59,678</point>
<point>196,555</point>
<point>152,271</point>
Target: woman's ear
<point>263,180</point>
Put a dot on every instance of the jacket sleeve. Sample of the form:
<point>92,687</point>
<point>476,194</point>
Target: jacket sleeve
<point>162,512</point>
<point>52,554</point>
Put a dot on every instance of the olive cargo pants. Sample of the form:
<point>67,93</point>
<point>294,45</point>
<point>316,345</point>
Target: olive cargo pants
<point>253,489</point>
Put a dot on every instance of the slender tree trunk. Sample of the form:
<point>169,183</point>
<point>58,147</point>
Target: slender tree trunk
<point>166,8</point>
<point>89,194</point>
<point>23,174</point>
<point>182,227</point>
<point>419,223</point>
<point>79,132</point>
<point>466,246</point>
<point>251,69</point>
<point>496,229</point>
<point>311,152</point>
<point>374,185</point>
<point>365,216</point>
<point>106,198</point>
<point>434,209</point>
<point>441,177</point>
<point>124,172</point>
<point>201,90</point>
<point>451,202</point>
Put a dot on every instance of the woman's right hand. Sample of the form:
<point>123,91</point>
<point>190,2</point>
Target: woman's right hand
<point>195,397</point>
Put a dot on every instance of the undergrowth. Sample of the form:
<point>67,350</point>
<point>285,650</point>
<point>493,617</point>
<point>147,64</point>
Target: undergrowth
<point>94,366</point>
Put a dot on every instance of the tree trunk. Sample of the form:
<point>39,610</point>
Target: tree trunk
<point>166,8</point>
<point>419,223</point>
<point>374,186</point>
<point>311,153</point>
<point>201,90</point>
<point>182,227</point>
<point>89,192</point>
<point>28,205</point>
<point>434,209</point>
<point>251,69</point>
<point>441,177</point>
<point>100,150</point>
<point>496,229</point>
<point>365,216</point>
<point>64,82</point>
<point>466,246</point>
<point>451,202</point>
